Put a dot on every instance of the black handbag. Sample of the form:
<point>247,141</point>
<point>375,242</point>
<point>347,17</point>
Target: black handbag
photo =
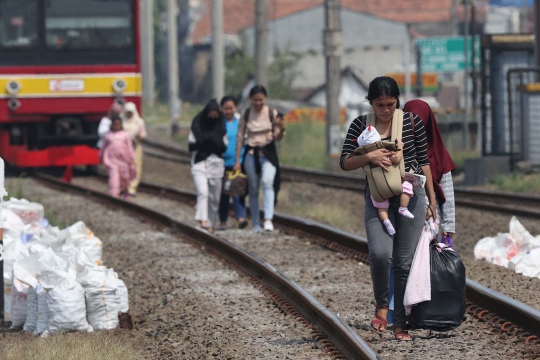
<point>446,309</point>
<point>234,183</point>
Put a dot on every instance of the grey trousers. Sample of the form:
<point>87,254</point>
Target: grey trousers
<point>397,250</point>
<point>447,213</point>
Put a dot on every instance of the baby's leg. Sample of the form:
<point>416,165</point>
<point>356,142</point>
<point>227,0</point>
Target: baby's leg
<point>404,200</point>
<point>382,209</point>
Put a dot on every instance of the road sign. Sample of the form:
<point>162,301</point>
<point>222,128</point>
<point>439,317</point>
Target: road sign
<point>446,54</point>
<point>515,3</point>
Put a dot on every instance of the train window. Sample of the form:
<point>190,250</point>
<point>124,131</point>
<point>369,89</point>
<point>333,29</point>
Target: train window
<point>88,24</point>
<point>18,23</point>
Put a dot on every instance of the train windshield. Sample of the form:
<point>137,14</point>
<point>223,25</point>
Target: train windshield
<point>88,24</point>
<point>67,32</point>
<point>18,23</point>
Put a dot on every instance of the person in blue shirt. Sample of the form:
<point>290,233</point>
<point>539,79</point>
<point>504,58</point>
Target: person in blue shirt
<point>228,108</point>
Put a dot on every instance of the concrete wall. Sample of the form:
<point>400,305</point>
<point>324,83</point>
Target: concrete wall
<point>371,46</point>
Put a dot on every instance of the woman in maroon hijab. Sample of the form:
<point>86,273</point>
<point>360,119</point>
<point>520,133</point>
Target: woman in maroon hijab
<point>441,165</point>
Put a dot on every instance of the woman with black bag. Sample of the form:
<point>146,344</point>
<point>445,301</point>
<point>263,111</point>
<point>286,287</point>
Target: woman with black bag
<point>207,143</point>
<point>385,249</point>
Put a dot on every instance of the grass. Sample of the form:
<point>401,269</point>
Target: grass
<point>159,113</point>
<point>15,190</point>
<point>72,346</point>
<point>518,183</point>
<point>300,203</point>
<point>304,145</point>
<point>459,158</point>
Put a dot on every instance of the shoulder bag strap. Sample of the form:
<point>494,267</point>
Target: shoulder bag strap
<point>397,134</point>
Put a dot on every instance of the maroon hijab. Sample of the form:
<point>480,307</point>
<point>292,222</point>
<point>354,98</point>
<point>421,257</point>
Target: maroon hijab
<point>440,161</point>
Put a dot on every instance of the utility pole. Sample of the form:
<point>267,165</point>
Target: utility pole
<point>261,42</point>
<point>523,17</point>
<point>455,21</point>
<point>419,87</point>
<point>147,51</point>
<point>407,65</point>
<point>332,49</point>
<point>474,94</point>
<point>537,31</point>
<point>172,55</point>
<point>466,78</point>
<point>218,58</point>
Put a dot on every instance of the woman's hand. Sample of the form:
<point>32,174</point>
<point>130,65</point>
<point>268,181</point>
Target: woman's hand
<point>279,122</point>
<point>431,212</point>
<point>380,158</point>
<point>236,167</point>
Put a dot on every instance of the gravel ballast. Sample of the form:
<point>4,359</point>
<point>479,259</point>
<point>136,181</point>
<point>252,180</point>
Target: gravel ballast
<point>186,303</point>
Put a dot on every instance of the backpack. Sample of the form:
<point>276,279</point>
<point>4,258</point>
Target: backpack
<point>270,115</point>
<point>385,184</point>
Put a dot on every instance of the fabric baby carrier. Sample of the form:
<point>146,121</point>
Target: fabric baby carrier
<point>384,184</point>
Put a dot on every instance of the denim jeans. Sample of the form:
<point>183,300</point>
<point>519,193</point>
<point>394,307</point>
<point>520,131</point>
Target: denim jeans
<point>266,178</point>
<point>239,206</point>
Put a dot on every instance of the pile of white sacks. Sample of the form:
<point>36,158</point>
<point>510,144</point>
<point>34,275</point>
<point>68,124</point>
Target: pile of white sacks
<point>516,250</point>
<point>53,279</point>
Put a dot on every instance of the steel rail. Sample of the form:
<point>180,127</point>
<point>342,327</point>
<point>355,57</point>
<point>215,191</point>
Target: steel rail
<point>341,335</point>
<point>519,313</point>
<point>501,202</point>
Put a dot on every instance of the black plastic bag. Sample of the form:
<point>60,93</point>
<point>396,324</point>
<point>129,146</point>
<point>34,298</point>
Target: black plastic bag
<point>446,309</point>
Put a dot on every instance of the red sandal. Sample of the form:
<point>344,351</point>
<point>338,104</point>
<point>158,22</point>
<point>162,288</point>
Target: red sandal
<point>379,320</point>
<point>402,335</point>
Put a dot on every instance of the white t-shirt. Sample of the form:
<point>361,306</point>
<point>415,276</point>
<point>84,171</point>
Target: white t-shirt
<point>103,128</point>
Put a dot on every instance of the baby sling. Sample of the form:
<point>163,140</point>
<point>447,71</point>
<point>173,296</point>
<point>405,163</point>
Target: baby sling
<point>384,184</point>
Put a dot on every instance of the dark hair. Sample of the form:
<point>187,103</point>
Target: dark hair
<point>115,118</point>
<point>383,86</point>
<point>258,89</point>
<point>226,99</point>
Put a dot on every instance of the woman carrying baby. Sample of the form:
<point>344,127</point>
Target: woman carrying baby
<point>368,137</point>
<point>386,249</point>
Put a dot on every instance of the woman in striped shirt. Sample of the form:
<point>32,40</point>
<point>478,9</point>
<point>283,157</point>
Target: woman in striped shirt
<point>384,249</point>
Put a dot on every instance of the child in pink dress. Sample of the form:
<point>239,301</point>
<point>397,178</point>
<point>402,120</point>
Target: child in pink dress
<point>368,137</point>
<point>117,154</point>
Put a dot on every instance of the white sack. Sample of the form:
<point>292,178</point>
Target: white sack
<point>18,305</point>
<point>42,321</point>
<point>32,310</point>
<point>66,308</point>
<point>28,211</point>
<point>102,302</point>
<point>77,237</point>
<point>122,293</point>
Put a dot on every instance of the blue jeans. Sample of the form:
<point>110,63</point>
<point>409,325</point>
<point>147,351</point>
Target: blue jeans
<point>266,178</point>
<point>239,206</point>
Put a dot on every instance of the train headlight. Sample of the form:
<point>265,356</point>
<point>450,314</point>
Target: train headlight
<point>13,104</point>
<point>119,85</point>
<point>13,87</point>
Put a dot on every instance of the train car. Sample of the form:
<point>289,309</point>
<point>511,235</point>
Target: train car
<point>62,65</point>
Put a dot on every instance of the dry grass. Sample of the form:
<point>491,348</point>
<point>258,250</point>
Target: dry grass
<point>73,346</point>
<point>295,200</point>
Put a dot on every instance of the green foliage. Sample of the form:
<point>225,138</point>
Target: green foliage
<point>282,72</point>
<point>238,67</point>
<point>518,183</point>
<point>304,146</point>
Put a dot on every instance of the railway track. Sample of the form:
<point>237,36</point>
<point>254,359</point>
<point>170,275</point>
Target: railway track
<point>331,333</point>
<point>507,316</point>
<point>509,203</point>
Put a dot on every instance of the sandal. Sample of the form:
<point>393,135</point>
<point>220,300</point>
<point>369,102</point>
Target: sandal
<point>379,320</point>
<point>402,335</point>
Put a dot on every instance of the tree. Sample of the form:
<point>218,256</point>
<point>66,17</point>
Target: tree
<point>282,72</point>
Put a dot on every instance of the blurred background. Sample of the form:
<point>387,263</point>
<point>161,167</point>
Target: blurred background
<point>473,61</point>
<point>423,41</point>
